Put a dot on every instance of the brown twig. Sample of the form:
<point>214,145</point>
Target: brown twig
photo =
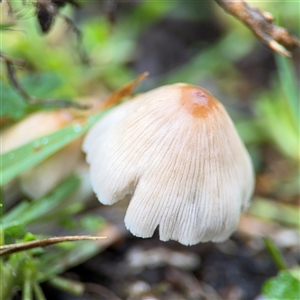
<point>261,23</point>
<point>51,9</point>
<point>85,59</point>
<point>46,12</point>
<point>124,91</point>
<point>10,65</point>
<point>17,247</point>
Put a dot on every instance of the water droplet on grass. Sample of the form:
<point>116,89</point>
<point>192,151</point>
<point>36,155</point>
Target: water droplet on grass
<point>77,128</point>
<point>45,141</point>
<point>36,144</point>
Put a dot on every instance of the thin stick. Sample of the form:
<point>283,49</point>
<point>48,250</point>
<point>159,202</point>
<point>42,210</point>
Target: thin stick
<point>84,58</point>
<point>124,91</point>
<point>261,23</point>
<point>17,247</point>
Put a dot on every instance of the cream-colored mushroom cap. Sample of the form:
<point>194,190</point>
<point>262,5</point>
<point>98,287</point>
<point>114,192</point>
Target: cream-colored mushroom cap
<point>175,152</point>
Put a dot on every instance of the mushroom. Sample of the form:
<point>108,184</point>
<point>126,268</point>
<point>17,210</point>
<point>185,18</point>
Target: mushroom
<point>35,125</point>
<point>175,153</point>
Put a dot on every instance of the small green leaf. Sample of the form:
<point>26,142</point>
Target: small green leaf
<point>29,237</point>
<point>13,232</point>
<point>91,222</point>
<point>42,86</point>
<point>12,104</point>
<point>284,286</point>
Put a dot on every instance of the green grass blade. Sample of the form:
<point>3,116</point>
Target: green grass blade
<point>38,209</point>
<point>289,86</point>
<point>27,156</point>
<point>29,270</point>
<point>275,211</point>
<point>38,292</point>
<point>70,286</point>
<point>15,212</point>
<point>283,286</point>
<point>275,254</point>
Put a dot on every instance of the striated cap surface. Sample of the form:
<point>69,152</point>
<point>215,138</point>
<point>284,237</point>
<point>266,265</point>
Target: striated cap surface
<point>175,152</point>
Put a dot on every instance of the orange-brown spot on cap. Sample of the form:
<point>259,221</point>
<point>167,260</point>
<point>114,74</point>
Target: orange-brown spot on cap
<point>197,101</point>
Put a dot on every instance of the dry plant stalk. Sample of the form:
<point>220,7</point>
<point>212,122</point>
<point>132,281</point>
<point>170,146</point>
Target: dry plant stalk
<point>17,247</point>
<point>124,91</point>
<point>10,65</point>
<point>261,23</point>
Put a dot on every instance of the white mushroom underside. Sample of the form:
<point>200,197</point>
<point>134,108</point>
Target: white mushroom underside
<point>191,177</point>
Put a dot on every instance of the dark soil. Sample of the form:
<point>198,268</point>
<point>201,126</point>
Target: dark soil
<point>143,269</point>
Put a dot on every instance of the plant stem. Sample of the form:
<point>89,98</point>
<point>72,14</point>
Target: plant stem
<point>70,286</point>
<point>38,292</point>
<point>275,254</point>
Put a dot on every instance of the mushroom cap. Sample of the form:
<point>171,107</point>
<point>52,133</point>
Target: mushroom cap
<point>175,152</point>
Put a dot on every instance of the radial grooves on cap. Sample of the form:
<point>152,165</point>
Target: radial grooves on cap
<point>175,150</point>
<point>198,102</point>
